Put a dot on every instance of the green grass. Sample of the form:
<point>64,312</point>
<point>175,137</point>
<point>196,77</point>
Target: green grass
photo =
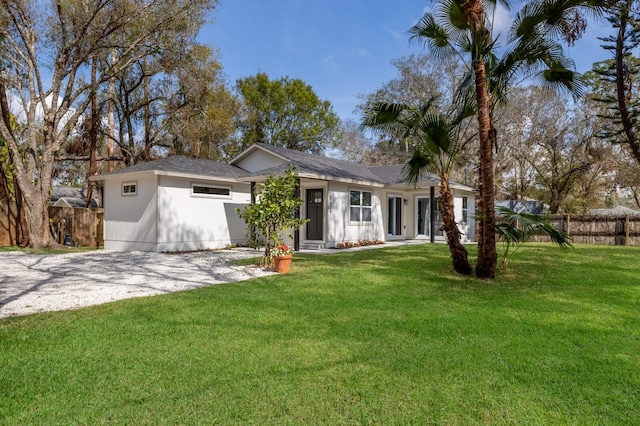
<point>48,250</point>
<point>387,336</point>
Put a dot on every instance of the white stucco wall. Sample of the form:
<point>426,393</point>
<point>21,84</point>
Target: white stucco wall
<point>340,228</point>
<point>130,220</point>
<point>468,228</point>
<point>192,221</point>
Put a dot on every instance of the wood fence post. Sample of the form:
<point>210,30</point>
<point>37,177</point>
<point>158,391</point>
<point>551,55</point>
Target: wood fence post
<point>626,231</point>
<point>568,225</point>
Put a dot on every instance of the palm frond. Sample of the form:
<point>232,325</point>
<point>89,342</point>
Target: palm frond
<point>452,14</point>
<point>417,166</point>
<point>434,36</point>
<point>527,224</point>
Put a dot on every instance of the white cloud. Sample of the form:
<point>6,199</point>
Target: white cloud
<point>394,34</point>
<point>20,110</point>
<point>501,19</point>
<point>362,53</point>
<point>329,59</point>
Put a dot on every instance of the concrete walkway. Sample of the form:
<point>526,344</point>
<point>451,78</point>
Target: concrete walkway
<point>32,283</point>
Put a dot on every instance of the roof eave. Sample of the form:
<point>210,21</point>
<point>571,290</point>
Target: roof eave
<point>101,178</point>
<point>316,176</point>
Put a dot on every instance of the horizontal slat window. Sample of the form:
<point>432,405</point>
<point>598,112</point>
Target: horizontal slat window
<point>213,191</point>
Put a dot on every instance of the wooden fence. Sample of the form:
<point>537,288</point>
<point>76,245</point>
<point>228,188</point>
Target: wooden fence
<point>605,230</point>
<point>73,226</point>
<point>8,222</point>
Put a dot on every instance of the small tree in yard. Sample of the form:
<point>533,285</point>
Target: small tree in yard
<point>273,216</point>
<point>515,228</point>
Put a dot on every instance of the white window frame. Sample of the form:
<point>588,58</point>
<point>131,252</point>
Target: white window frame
<point>398,199</point>
<point>128,184</point>
<point>206,185</point>
<point>361,207</point>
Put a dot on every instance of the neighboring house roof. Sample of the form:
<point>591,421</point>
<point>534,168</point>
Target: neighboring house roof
<point>70,196</point>
<point>531,207</point>
<point>180,165</point>
<point>616,211</point>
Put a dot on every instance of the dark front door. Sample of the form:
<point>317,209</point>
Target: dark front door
<point>315,214</point>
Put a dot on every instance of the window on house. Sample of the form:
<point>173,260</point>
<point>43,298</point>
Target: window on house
<point>360,206</point>
<point>465,209</point>
<point>206,190</point>
<point>129,188</point>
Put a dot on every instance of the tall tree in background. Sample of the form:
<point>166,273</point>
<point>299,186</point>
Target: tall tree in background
<point>60,39</point>
<point>549,151</point>
<point>353,144</point>
<point>286,112</point>
<point>421,79</point>
<point>200,116</point>
<point>461,28</point>
<point>619,77</point>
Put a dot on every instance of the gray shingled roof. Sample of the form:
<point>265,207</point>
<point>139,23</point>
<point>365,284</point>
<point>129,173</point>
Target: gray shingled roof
<point>333,167</point>
<point>73,196</point>
<point>615,211</point>
<point>305,163</point>
<point>323,166</point>
<point>394,174</point>
<point>531,207</point>
<point>185,165</point>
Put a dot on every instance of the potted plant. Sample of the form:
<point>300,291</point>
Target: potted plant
<point>282,256</point>
<point>274,215</point>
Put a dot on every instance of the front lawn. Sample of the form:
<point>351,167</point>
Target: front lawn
<point>385,336</point>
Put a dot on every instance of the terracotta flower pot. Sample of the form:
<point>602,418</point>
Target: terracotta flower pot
<point>282,263</point>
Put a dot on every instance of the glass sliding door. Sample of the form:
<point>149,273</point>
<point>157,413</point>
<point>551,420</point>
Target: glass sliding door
<point>394,214</point>
<point>423,219</point>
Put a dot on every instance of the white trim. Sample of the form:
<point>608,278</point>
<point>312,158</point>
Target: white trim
<point>102,178</point>
<point>403,209</point>
<point>416,215</point>
<point>133,183</point>
<point>325,212</point>
<point>370,207</point>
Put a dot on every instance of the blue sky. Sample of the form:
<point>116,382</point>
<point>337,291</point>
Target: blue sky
<point>341,48</point>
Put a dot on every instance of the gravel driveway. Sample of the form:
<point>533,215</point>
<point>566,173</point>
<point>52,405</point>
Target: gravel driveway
<point>36,283</point>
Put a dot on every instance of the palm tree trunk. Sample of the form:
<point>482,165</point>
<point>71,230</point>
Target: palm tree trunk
<point>487,254</point>
<point>459,254</point>
<point>480,37</point>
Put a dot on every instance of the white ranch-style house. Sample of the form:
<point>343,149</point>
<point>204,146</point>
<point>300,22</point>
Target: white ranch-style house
<point>180,204</point>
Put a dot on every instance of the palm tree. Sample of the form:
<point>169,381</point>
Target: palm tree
<point>462,28</point>
<point>515,228</point>
<point>436,146</point>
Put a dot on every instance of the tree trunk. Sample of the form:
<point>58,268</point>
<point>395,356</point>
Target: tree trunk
<point>22,227</point>
<point>37,220</point>
<point>93,136</point>
<point>622,88</point>
<point>459,254</point>
<point>480,39</point>
<point>111,120</point>
<point>22,233</point>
